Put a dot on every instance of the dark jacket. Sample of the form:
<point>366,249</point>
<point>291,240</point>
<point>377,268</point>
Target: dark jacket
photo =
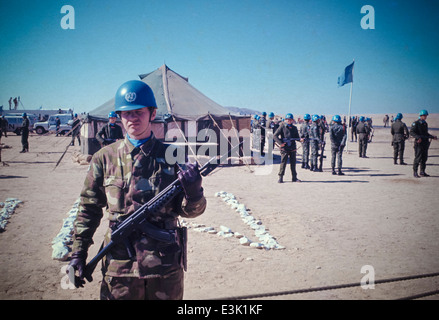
<point>286,131</point>
<point>337,133</point>
<point>109,134</point>
<point>399,131</point>
<point>419,130</point>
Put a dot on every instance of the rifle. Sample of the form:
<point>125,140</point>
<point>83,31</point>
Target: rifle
<point>323,143</point>
<point>289,140</point>
<point>138,221</point>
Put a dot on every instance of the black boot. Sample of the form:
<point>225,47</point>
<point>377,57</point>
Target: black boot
<point>415,174</point>
<point>281,179</point>
<point>333,171</point>
<point>340,173</point>
<point>423,174</point>
<point>394,161</point>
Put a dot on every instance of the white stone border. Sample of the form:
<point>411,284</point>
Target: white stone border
<point>266,240</point>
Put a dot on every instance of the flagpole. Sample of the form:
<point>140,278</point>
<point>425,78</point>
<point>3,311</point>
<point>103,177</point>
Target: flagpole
<point>349,111</point>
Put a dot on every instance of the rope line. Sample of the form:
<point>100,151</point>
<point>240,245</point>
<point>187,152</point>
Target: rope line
<point>334,287</point>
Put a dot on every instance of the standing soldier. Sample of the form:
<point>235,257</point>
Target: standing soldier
<point>363,132</point>
<point>419,131</point>
<point>286,136</point>
<point>304,134</point>
<point>122,177</point>
<point>315,135</point>
<point>338,135</point>
<point>399,133</point>
<point>4,126</point>
<point>25,133</point>
<point>110,132</point>
<point>262,124</point>
<point>76,128</point>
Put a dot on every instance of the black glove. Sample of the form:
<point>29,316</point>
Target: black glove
<point>78,264</point>
<point>190,180</point>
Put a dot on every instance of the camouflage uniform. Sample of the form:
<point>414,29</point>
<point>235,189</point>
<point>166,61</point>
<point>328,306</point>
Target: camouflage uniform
<point>122,178</point>
<point>304,133</point>
<point>338,135</point>
<point>399,133</point>
<point>363,131</point>
<point>315,132</point>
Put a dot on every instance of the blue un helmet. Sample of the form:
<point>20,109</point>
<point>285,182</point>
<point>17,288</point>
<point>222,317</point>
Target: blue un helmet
<point>423,113</point>
<point>264,114</point>
<point>133,95</point>
<point>361,119</point>
<point>289,116</point>
<point>24,114</point>
<point>315,117</point>
<point>112,114</point>
<point>307,117</point>
<point>336,118</point>
<point>398,116</point>
<point>271,115</point>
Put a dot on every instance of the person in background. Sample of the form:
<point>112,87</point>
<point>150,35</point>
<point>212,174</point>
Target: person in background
<point>400,133</point>
<point>111,132</point>
<point>419,131</point>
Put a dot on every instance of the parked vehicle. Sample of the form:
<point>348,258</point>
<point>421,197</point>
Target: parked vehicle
<point>16,120</point>
<point>50,124</point>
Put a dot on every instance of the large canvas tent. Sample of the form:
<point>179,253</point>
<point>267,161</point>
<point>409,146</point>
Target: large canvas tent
<point>183,111</point>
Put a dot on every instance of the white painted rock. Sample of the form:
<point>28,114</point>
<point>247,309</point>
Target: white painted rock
<point>225,229</point>
<point>256,245</point>
<point>244,241</point>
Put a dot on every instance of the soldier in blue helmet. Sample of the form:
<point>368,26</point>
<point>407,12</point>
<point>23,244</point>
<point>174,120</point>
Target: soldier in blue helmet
<point>123,176</point>
<point>419,131</point>
<point>363,132</point>
<point>111,132</point>
<point>338,135</point>
<point>286,136</point>
<point>315,133</point>
<point>400,133</point>
<point>304,134</point>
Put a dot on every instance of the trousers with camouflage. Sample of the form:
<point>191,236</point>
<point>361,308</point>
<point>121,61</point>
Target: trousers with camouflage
<point>169,287</point>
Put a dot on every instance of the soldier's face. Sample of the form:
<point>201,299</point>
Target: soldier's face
<point>137,123</point>
<point>424,117</point>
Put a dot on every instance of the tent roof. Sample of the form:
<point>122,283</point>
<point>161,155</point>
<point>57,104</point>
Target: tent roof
<point>174,95</point>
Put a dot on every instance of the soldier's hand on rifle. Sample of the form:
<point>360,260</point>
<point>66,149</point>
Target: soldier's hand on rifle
<point>78,264</point>
<point>191,182</point>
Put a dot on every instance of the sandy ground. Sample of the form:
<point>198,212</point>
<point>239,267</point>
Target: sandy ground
<point>331,226</point>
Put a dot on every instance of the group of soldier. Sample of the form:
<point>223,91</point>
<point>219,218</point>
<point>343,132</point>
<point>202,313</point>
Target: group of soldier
<point>311,134</point>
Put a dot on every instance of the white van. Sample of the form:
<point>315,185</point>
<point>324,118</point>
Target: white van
<point>43,127</point>
<point>15,121</point>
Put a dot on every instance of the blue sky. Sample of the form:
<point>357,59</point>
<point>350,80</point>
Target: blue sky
<point>280,56</point>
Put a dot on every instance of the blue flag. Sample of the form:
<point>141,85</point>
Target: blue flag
<point>347,76</point>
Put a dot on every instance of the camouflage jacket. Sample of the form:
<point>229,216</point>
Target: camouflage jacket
<point>121,178</point>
